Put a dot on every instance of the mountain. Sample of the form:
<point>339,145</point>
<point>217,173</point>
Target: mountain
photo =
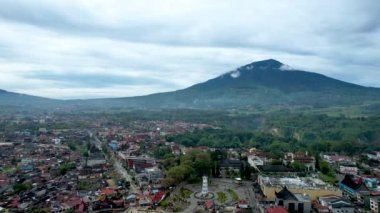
<point>259,84</point>
<point>11,99</point>
<point>264,84</point>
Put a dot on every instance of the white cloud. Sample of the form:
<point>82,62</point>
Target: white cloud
<point>178,44</point>
<point>235,74</point>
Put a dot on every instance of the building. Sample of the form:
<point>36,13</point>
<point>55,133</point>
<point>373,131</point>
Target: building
<point>335,159</point>
<point>301,157</point>
<point>374,204</point>
<point>154,174</point>
<point>276,210</point>
<point>373,155</point>
<point>140,163</point>
<point>293,202</point>
<point>313,187</point>
<point>255,161</point>
<point>275,169</point>
<point>336,204</point>
<point>348,170</point>
<point>231,165</point>
<point>352,187</point>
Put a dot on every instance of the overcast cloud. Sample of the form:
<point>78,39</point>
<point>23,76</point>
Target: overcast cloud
<point>95,48</point>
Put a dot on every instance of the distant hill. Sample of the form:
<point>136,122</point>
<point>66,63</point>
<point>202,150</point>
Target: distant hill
<point>263,84</point>
<point>260,84</point>
<point>11,99</point>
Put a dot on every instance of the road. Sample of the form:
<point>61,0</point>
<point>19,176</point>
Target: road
<point>117,165</point>
<point>126,175</point>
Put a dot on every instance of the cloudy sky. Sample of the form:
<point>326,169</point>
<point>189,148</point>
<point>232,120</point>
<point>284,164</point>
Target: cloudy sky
<point>96,48</point>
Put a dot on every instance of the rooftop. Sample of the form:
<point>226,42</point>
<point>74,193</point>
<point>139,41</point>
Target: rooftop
<point>295,182</point>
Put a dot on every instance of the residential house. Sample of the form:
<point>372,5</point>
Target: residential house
<point>294,202</point>
<point>277,210</point>
<point>301,157</point>
<point>348,170</point>
<point>336,204</point>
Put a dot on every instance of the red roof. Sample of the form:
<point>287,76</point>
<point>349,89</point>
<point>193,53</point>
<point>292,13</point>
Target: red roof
<point>81,208</point>
<point>107,191</point>
<point>209,204</point>
<point>243,202</point>
<point>158,196</point>
<point>4,183</point>
<point>277,210</point>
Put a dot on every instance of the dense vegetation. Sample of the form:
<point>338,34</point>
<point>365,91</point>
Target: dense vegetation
<point>192,167</point>
<point>280,133</point>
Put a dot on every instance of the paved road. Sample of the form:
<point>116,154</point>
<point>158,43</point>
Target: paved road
<point>126,175</point>
<point>117,165</point>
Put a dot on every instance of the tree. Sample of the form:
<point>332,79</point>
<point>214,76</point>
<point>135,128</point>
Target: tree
<point>241,170</point>
<point>217,169</point>
<point>19,187</point>
<point>317,160</point>
<point>202,163</point>
<point>177,174</point>
<point>298,166</point>
<point>247,172</point>
<point>325,168</point>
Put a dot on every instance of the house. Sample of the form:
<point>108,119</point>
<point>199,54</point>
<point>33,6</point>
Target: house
<point>232,165</point>
<point>276,210</point>
<point>255,161</point>
<point>243,204</point>
<point>4,181</point>
<point>144,202</point>
<point>335,159</point>
<point>301,157</point>
<point>176,150</point>
<point>157,197</point>
<point>319,207</point>
<point>107,191</point>
<point>294,202</point>
<point>351,187</point>
<point>373,155</point>
<point>336,204</point>
<point>348,170</point>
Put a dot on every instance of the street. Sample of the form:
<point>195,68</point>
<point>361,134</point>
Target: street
<point>117,166</point>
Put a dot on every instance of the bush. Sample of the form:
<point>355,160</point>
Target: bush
<point>222,198</point>
<point>233,195</point>
<point>185,193</point>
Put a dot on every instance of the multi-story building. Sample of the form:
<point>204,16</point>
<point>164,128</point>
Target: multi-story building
<point>313,187</point>
<point>374,204</point>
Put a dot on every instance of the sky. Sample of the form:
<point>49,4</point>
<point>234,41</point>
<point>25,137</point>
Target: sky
<point>68,49</point>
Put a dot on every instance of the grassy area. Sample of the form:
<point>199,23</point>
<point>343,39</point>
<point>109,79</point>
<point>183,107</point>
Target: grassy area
<point>233,195</point>
<point>8,169</point>
<point>185,192</point>
<point>88,185</point>
<point>329,179</point>
<point>222,198</point>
